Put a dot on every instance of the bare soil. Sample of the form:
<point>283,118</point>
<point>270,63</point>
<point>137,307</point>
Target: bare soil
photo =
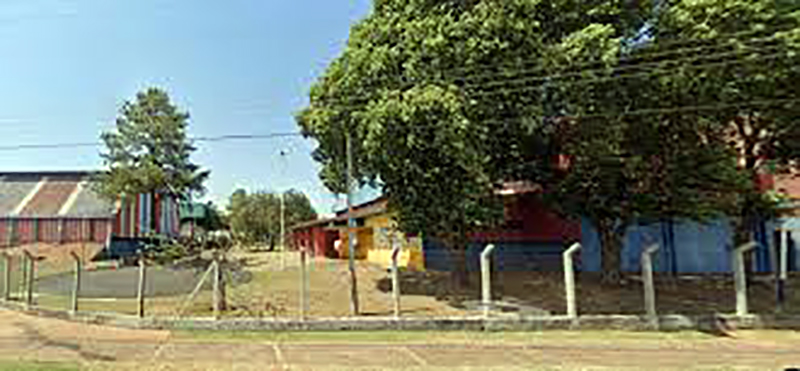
<point>544,291</point>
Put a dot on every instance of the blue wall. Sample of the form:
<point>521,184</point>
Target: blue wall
<point>684,247</point>
<point>507,256</point>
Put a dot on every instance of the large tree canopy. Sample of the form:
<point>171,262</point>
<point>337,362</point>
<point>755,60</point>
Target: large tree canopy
<point>417,89</point>
<point>445,100</point>
<point>751,50</point>
<point>149,150</point>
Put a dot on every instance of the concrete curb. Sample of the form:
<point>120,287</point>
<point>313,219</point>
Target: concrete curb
<point>526,323</point>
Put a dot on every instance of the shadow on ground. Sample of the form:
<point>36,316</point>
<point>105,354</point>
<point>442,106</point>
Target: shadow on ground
<point>543,292</point>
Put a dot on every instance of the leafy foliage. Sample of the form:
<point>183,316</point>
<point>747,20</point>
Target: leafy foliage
<point>416,89</point>
<point>254,217</point>
<point>149,151</point>
<point>445,100</point>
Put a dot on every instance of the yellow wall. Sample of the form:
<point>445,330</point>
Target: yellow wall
<point>363,242</point>
<point>384,229</point>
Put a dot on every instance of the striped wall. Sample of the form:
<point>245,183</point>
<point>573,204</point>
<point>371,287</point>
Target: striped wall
<point>136,213</point>
<point>15,231</point>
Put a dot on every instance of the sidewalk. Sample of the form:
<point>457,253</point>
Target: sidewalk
<point>103,348</point>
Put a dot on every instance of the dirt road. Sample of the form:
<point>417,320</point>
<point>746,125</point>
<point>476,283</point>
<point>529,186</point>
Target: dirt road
<point>94,347</point>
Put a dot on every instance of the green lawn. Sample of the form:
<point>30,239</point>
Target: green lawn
<point>36,366</point>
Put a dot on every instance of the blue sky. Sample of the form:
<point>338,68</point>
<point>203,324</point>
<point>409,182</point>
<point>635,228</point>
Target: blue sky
<point>238,67</point>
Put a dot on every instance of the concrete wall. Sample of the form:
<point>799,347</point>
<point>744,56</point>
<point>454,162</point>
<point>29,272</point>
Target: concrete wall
<point>384,231</point>
<point>507,256</point>
<point>685,246</point>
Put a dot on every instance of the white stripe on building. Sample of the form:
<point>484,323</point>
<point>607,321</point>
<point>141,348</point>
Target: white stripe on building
<point>72,198</point>
<point>31,194</point>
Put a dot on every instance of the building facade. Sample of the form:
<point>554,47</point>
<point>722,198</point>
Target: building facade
<point>60,207</point>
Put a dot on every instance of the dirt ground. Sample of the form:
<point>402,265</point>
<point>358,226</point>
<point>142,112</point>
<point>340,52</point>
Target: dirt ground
<point>543,292</point>
<point>273,289</point>
<point>92,347</point>
<point>432,293</point>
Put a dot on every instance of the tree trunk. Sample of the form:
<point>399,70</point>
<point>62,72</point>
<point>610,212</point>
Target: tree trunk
<point>460,275</point>
<point>743,233</point>
<point>610,249</point>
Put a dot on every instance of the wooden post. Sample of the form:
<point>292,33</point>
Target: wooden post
<point>76,287</point>
<point>569,280</point>
<point>216,288</point>
<point>7,277</point>
<point>739,279</point>
<point>395,278</point>
<point>303,283</point>
<point>29,280</point>
<point>23,277</point>
<point>140,290</point>
<point>647,278</point>
<point>486,279</point>
<point>351,224</point>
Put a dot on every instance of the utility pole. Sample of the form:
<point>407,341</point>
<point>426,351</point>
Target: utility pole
<point>283,242</point>
<point>283,226</point>
<point>350,225</point>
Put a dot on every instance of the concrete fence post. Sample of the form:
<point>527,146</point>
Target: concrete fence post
<point>395,279</point>
<point>569,280</point>
<point>647,278</point>
<point>486,279</point>
<point>783,269</point>
<point>739,279</point>
<point>140,288</point>
<point>76,287</point>
<point>303,283</point>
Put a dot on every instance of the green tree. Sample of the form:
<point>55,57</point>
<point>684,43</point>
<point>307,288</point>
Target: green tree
<point>214,219</point>
<point>753,83</point>
<point>148,151</point>
<point>703,82</point>
<point>445,100</point>
<point>256,216</point>
<point>434,95</point>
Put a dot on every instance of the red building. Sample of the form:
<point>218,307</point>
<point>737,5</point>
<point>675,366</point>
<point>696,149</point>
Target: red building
<point>51,207</point>
<point>60,207</point>
<point>531,237</point>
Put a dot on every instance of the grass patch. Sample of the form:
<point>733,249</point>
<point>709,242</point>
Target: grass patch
<point>36,366</point>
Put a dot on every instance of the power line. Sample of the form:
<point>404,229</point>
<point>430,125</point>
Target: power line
<point>651,66</point>
<point>351,101</point>
<point>219,138</point>
<point>642,55</point>
<point>522,70</point>
<point>659,110</point>
<point>244,137</point>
